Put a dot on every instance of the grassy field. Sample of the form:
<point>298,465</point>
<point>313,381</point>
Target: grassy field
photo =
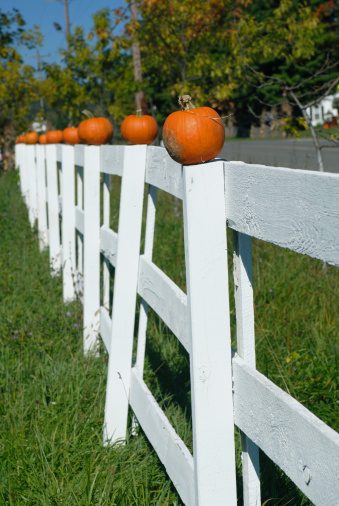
<point>52,398</point>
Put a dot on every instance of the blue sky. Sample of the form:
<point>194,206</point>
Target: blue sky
<point>44,13</point>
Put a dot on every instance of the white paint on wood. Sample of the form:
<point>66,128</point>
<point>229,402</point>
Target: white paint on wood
<point>304,447</point>
<point>112,160</point>
<point>79,151</point>
<point>210,357</point>
<point>149,239</point>
<point>79,219</point>
<point>125,291</point>
<point>42,196</point>
<point>108,244</point>
<point>295,209</point>
<point>68,223</point>
<point>106,266</point>
<point>170,448</point>
<point>59,153</point>
<point>91,248</point>
<point>166,298</point>
<point>244,308</point>
<point>163,172</point>
<point>53,208</point>
<point>32,184</point>
<point>105,328</point>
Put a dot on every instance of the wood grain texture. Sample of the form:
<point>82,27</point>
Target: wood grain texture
<point>295,209</point>
<point>304,447</point>
<point>170,448</point>
<point>108,244</point>
<point>208,313</point>
<point>165,297</point>
<point>163,172</point>
<point>112,160</point>
<point>125,293</point>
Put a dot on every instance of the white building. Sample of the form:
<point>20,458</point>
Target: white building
<point>324,110</point>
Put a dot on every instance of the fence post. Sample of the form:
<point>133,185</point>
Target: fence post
<point>208,314</point>
<point>68,222</point>
<point>91,296</point>
<point>243,293</point>
<point>53,208</point>
<point>42,196</point>
<point>31,174</point>
<point>125,292</point>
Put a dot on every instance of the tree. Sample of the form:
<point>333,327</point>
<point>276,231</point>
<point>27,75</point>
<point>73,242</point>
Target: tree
<point>18,87</point>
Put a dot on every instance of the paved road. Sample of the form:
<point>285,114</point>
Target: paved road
<point>292,153</point>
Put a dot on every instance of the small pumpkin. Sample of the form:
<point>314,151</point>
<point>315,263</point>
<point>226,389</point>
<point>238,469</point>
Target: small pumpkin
<point>139,129</point>
<point>32,138</point>
<point>70,135</point>
<point>193,135</point>
<point>95,131</point>
<point>20,140</point>
<point>43,139</point>
<point>54,137</point>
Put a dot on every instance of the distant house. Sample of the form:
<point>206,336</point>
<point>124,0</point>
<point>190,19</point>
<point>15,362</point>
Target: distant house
<point>325,110</point>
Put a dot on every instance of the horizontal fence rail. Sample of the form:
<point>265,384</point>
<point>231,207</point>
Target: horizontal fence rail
<point>67,190</point>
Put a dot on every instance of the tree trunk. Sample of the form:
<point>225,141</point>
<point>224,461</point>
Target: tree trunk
<point>8,146</point>
<point>263,117</point>
<point>140,97</point>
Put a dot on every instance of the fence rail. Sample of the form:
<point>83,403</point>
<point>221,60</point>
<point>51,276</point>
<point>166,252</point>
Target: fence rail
<point>291,208</point>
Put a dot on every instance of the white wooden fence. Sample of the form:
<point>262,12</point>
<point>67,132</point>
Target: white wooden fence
<point>291,208</point>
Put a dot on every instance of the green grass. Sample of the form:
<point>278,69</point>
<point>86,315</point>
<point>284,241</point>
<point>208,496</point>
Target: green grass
<point>52,398</point>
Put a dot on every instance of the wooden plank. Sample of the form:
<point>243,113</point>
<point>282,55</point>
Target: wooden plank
<point>125,293</point>
<point>68,222</point>
<point>112,160</point>
<point>244,309</point>
<point>143,315</point>
<point>79,151</point>
<point>304,447</point>
<point>295,209</point>
<point>165,297</point>
<point>163,172</point>
<point>32,184</point>
<point>108,244</point>
<point>42,196</point>
<point>170,448</point>
<point>91,249</point>
<point>210,357</point>
<point>106,223</point>
<point>105,328</point>
<point>58,148</point>
<point>79,219</point>
<point>53,209</point>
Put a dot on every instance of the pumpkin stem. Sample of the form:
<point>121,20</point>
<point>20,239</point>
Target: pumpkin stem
<point>87,113</point>
<point>139,113</point>
<point>186,102</point>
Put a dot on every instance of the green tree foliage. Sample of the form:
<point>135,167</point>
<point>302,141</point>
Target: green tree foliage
<point>95,75</point>
<point>17,83</point>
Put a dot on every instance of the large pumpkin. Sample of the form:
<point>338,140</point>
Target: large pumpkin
<point>193,135</point>
<point>32,138</point>
<point>139,129</point>
<point>71,136</point>
<point>95,131</point>
<point>54,137</point>
<point>43,139</point>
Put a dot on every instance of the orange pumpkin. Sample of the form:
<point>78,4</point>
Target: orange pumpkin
<point>32,138</point>
<point>71,136</point>
<point>20,139</point>
<point>95,131</point>
<point>193,135</point>
<point>139,129</point>
<point>43,139</point>
<point>54,137</point>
